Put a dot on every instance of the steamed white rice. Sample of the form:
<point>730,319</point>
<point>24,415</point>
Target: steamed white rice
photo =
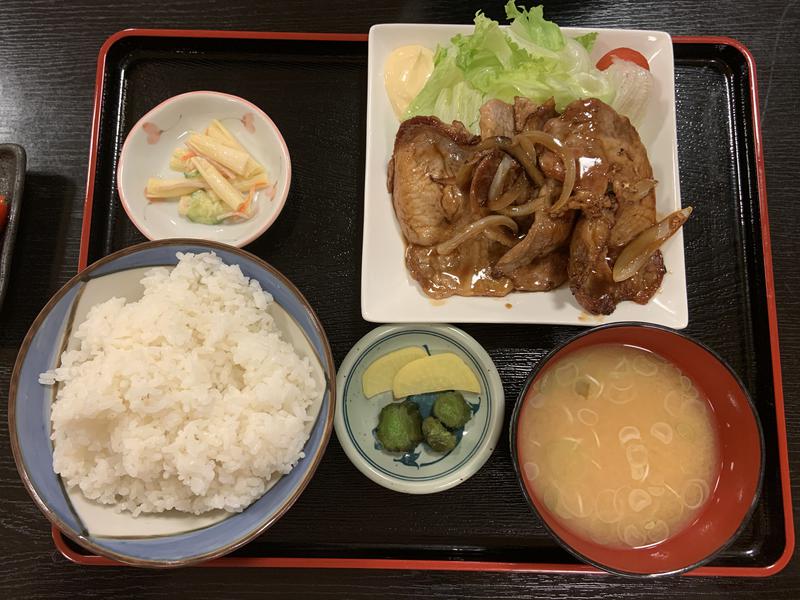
<point>187,399</point>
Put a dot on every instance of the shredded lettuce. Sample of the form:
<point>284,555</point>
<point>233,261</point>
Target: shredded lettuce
<point>587,40</point>
<point>532,58</point>
<point>531,26</point>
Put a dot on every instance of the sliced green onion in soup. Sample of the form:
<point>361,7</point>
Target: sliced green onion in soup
<point>588,417</point>
<point>690,393</point>
<point>620,376</point>
<point>538,400</point>
<point>673,403</point>
<point>587,387</point>
<point>561,510</point>
<point>670,505</point>
<point>606,508</point>
<point>639,499</point>
<point>617,395</point>
<point>693,409</point>
<point>636,454</point>
<point>695,493</point>
<point>550,497</point>
<point>577,502</point>
<point>603,533</point>
<point>686,431</point>
<point>567,374</point>
<point>656,531</point>
<point>633,536</point>
<point>621,499</point>
<point>542,382</point>
<point>596,438</point>
<point>645,366</point>
<point>628,433</point>
<point>662,432</point>
<point>531,470</point>
<point>639,472</point>
<point>622,364</point>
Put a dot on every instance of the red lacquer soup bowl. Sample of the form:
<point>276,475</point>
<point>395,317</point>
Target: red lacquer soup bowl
<point>741,456</point>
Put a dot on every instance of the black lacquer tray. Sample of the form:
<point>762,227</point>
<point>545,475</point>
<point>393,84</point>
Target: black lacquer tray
<point>12,183</point>
<point>314,88</point>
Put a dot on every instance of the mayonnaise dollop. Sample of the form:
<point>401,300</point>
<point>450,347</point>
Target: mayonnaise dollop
<point>405,73</point>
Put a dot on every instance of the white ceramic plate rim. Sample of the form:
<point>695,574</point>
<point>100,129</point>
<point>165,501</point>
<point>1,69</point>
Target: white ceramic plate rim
<point>278,202</point>
<point>496,396</point>
<point>388,294</point>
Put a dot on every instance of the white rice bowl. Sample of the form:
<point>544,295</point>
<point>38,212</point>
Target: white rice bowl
<point>186,399</point>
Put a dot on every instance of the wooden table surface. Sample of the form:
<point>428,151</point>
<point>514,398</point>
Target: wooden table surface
<point>47,69</point>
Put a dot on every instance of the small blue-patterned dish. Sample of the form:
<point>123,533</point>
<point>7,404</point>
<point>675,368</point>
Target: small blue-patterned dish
<point>172,538</point>
<point>420,471</point>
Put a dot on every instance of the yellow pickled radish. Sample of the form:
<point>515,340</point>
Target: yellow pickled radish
<point>380,374</point>
<point>436,373</point>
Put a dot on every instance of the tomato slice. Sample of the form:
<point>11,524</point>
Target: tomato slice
<point>628,54</point>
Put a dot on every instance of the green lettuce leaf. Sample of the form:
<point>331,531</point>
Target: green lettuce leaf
<point>530,25</point>
<point>532,58</point>
<point>445,75</point>
<point>587,40</point>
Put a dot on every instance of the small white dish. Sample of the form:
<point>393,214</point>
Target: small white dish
<point>389,294</point>
<point>151,141</point>
<point>420,471</point>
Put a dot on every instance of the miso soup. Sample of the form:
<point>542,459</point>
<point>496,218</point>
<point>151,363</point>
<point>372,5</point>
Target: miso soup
<point>619,445</point>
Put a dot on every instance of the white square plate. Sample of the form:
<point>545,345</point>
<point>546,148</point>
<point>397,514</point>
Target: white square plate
<point>389,294</point>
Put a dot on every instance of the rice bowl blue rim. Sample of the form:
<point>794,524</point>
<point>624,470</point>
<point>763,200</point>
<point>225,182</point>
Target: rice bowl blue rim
<point>327,364</point>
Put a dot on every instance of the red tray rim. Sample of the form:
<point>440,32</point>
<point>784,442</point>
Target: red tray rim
<point>458,565</point>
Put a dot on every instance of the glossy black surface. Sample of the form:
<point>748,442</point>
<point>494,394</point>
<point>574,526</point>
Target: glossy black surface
<point>326,141</point>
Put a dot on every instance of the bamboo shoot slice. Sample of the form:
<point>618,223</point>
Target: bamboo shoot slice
<point>244,185</point>
<point>171,188</point>
<point>221,186</point>
<point>233,159</point>
<point>220,133</point>
<point>179,160</point>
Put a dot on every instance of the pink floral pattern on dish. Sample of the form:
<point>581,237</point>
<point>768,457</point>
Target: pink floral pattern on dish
<point>247,121</point>
<point>153,132</point>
